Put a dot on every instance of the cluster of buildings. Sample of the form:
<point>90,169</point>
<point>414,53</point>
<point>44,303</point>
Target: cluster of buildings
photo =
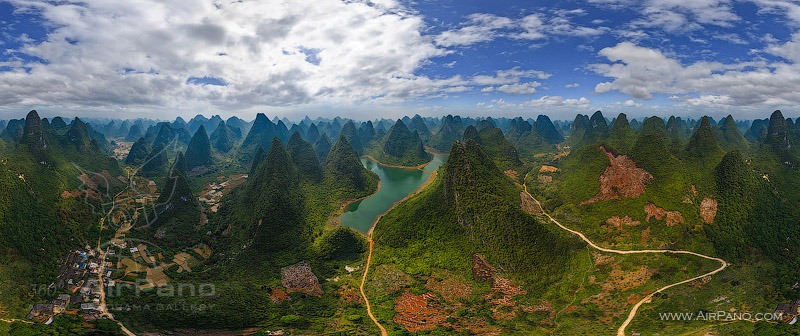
<point>788,312</point>
<point>78,282</point>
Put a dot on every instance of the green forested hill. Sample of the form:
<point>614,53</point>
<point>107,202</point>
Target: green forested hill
<point>261,134</point>
<point>223,138</point>
<point>496,146</point>
<point>451,130</point>
<point>38,224</point>
<point>174,220</point>
<point>277,218</point>
<point>472,207</point>
<point>400,146</point>
<point>198,152</point>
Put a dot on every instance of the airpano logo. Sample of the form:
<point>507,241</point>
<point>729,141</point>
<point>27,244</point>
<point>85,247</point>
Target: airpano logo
<point>719,316</point>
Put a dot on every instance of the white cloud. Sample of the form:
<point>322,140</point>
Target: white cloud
<point>640,72</point>
<point>552,101</point>
<point>478,28</point>
<point>704,100</point>
<point>790,8</point>
<point>533,27</point>
<point>511,76</point>
<point>520,88</point>
<point>573,85</point>
<point>141,53</point>
<point>790,50</point>
<point>482,27</point>
<point>730,37</point>
<point>502,103</point>
<point>677,16</point>
<point>628,103</point>
<point>546,103</point>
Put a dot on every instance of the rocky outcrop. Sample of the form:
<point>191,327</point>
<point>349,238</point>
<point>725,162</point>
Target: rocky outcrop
<point>621,179</point>
<point>33,131</point>
<point>481,269</point>
<point>708,210</point>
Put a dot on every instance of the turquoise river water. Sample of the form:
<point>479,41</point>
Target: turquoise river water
<point>396,184</point>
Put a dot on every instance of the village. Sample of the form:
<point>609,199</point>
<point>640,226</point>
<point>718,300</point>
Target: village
<point>77,286</point>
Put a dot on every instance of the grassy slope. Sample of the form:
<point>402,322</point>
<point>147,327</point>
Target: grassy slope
<point>423,234</point>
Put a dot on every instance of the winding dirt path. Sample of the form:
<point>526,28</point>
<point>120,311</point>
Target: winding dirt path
<point>369,236</point>
<point>15,320</point>
<point>366,301</point>
<point>635,309</point>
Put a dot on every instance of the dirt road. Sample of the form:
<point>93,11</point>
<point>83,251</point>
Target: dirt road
<point>366,301</point>
<point>635,309</point>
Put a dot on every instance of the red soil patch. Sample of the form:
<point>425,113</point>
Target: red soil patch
<point>502,296</point>
<point>708,210</point>
<point>511,173</point>
<point>350,295</point>
<point>609,300</point>
<point>300,278</point>
<point>277,296</point>
<point>619,222</point>
<point>602,259</point>
<point>545,179</point>
<point>548,169</point>
<point>416,314</point>
<point>701,283</point>
<point>450,287</point>
<point>673,217</point>
<point>620,179</point>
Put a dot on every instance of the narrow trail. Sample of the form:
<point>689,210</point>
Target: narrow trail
<point>646,299</point>
<point>366,301</point>
<point>369,237</point>
<point>15,320</point>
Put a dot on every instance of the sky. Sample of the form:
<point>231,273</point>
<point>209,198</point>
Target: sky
<point>388,58</point>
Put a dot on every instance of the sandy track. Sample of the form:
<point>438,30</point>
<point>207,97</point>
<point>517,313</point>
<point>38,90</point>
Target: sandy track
<point>366,300</point>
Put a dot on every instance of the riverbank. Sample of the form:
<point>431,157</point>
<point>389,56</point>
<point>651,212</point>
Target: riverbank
<point>421,187</point>
<point>393,166</point>
<point>431,178</point>
<point>335,216</point>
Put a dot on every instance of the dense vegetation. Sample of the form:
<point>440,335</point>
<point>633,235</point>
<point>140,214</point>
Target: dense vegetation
<point>472,207</point>
<point>401,147</point>
<point>298,181</point>
<point>198,153</point>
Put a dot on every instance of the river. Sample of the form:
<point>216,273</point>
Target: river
<point>396,184</point>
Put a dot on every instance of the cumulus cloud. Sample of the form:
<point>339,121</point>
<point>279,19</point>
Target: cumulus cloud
<point>677,16</point>
<point>520,88</point>
<point>514,81</point>
<point>628,103</point>
<point>551,101</point>
<point>640,72</point>
<point>479,27</point>
<point>511,76</point>
<point>573,85</point>
<point>143,53</point>
<point>482,27</point>
<point>554,103</point>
